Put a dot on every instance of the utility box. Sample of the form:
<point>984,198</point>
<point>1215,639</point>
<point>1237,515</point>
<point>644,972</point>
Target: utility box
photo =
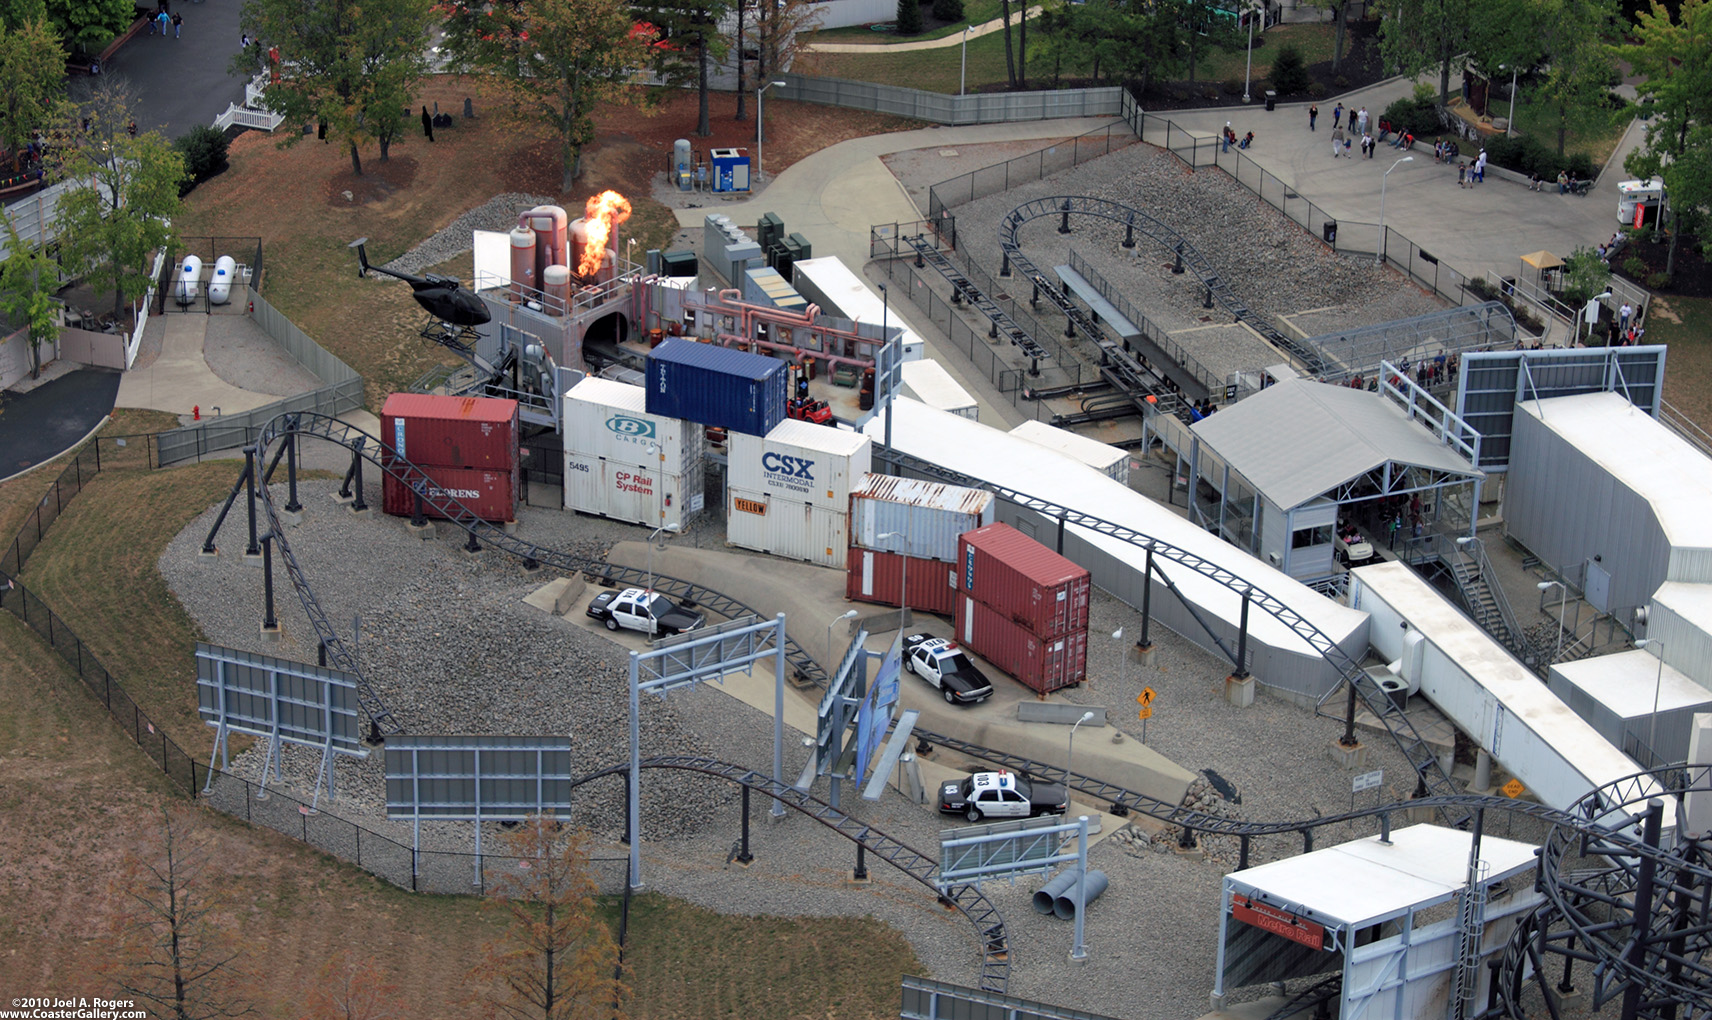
<point>730,169</point>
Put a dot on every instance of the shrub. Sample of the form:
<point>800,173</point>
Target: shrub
<point>1341,82</point>
<point>948,10</point>
<point>1658,281</point>
<point>1232,87</point>
<point>1634,267</point>
<point>1414,116</point>
<point>909,17</point>
<point>1289,74</point>
<point>1424,93</point>
<point>204,149</point>
<point>1317,90</point>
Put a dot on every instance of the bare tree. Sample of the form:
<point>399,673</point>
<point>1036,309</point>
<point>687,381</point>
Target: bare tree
<point>172,950</point>
<point>352,988</point>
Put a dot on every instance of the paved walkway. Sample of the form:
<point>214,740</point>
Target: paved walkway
<point>180,379</point>
<point>49,419</point>
<point>182,82</point>
<point>954,39</point>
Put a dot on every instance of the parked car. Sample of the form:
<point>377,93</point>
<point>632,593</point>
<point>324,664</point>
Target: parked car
<point>943,665</point>
<point>647,611</point>
<point>1000,795</point>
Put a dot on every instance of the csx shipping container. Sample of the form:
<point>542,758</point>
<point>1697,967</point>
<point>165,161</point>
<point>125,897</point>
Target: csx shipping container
<point>880,577</point>
<point>1024,581</point>
<point>800,461</point>
<point>624,463</point>
<point>438,431</point>
<point>1042,664</point>
<point>925,519</point>
<point>716,386</point>
<point>490,495</point>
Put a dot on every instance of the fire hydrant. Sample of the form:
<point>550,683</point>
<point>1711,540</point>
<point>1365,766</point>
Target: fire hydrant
<point>196,413</point>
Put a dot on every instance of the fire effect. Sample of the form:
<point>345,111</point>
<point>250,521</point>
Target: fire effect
<point>603,213</point>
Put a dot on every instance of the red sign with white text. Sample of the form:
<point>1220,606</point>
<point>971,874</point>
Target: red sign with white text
<point>1278,922</point>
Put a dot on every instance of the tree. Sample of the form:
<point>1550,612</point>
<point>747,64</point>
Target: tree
<point>1289,74</point>
<point>1677,89</point>
<point>1205,28</point>
<point>909,17</point>
<point>28,279</point>
<point>352,988</point>
<point>123,193</point>
<point>1418,35</point>
<point>1580,71</point>
<point>32,78</point>
<point>353,65</point>
<point>557,61</point>
<point>781,30</point>
<point>558,959</point>
<point>172,951</point>
<point>90,25</point>
<point>689,42</point>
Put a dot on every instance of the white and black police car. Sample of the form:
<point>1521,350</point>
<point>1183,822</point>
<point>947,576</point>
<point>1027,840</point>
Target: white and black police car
<point>1000,795</point>
<point>944,665</point>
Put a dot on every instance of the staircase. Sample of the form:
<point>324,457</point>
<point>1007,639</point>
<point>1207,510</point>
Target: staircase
<point>1486,602</point>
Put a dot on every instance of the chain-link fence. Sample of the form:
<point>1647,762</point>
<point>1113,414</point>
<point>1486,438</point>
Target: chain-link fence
<point>991,180</point>
<point>126,451</point>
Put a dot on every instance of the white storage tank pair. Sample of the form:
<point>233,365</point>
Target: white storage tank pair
<point>219,286</point>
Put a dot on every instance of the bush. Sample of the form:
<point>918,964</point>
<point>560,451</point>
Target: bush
<point>1289,74</point>
<point>1525,155</point>
<point>1341,82</point>
<point>909,17</point>
<point>1414,116</point>
<point>204,150</point>
<point>1634,267</point>
<point>1658,281</point>
<point>1232,87</point>
<point>948,10</point>
<point>1317,90</point>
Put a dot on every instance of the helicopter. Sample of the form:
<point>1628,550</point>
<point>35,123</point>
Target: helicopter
<point>455,311</point>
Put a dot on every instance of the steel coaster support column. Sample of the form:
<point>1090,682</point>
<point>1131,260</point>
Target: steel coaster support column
<point>861,872</point>
<point>1242,854</point>
<point>633,785</point>
<point>1177,266</point>
<point>1242,638</point>
<point>1187,840</point>
<point>291,504</point>
<point>919,264</point>
<point>1348,738</point>
<point>1207,298</point>
<point>1061,534</point>
<point>1641,921</point>
<point>345,486</point>
<point>250,480</point>
<point>778,811</point>
<point>269,622</point>
<point>1034,299</point>
<point>358,505</point>
<point>1004,264</point>
<point>1064,222</point>
<point>1069,327</point>
<point>417,519</point>
<point>743,854</point>
<point>231,497</point>
<point>1129,232</point>
<point>472,545</point>
<point>1147,601</point>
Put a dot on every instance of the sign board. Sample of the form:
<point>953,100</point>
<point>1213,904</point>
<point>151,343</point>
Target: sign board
<point>1367,781</point>
<point>891,669</point>
<point>749,506</point>
<point>268,697</point>
<point>707,653</point>
<point>1513,789</point>
<point>1278,922</point>
<point>1146,712</point>
<point>1146,696</point>
<point>467,778</point>
<point>1002,849</point>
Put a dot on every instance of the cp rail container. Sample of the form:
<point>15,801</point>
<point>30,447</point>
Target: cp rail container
<point>1041,664</point>
<point>438,431</point>
<point>716,386</point>
<point>1022,580</point>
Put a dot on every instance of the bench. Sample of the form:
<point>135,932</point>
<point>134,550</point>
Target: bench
<point>1104,311</point>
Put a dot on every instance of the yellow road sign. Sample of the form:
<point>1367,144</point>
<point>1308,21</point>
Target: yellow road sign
<point>1146,696</point>
<point>1513,789</point>
<point>1145,713</point>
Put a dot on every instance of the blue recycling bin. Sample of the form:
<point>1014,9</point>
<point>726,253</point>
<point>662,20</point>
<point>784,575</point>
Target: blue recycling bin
<point>730,169</point>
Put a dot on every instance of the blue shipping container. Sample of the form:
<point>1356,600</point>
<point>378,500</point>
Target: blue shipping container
<point>716,386</point>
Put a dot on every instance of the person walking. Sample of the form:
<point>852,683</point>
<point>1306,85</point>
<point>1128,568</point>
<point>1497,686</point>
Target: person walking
<point>1623,314</point>
<point>1462,175</point>
<point>1313,115</point>
<point>163,21</point>
<point>1480,167</point>
<point>177,24</point>
<point>1361,120</point>
<point>1337,142</point>
<point>1337,115</point>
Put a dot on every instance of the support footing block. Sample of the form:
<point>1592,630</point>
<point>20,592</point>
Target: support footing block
<point>253,560</point>
<point>272,635</point>
<point>291,518</point>
<point>424,531</point>
<point>1350,758</point>
<point>1239,692</point>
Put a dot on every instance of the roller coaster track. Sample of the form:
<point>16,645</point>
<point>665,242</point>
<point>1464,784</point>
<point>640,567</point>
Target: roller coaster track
<point>963,290</point>
<point>1135,220</point>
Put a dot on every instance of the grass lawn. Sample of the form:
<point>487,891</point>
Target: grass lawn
<point>1688,367</point>
<point>20,495</point>
<point>975,12</point>
<point>1596,138</point>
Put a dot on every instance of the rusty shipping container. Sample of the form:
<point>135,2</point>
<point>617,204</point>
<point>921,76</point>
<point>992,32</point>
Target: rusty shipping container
<point>490,495</point>
<point>1043,665</point>
<point>1024,581</point>
<point>878,577</point>
<point>923,518</point>
<point>461,432</point>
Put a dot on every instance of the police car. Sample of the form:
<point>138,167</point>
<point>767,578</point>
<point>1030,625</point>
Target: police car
<point>639,609</point>
<point>1000,795</point>
<point>944,665</point>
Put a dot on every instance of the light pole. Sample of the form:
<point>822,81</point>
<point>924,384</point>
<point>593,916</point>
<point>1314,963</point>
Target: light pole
<point>1070,757</point>
<point>1510,124</point>
<point>829,661</point>
<point>1591,314</point>
<point>1561,609</point>
<point>903,584</point>
<point>673,528</point>
<point>963,75</point>
<point>885,325</point>
<point>1379,258</point>
<point>760,120</point>
<point>1249,67</point>
<point>1658,682</point>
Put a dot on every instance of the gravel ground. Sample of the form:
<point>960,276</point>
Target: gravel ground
<point>497,213</point>
<point>450,647</point>
<point>239,351</point>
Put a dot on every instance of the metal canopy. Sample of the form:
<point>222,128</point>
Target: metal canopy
<point>1298,439</point>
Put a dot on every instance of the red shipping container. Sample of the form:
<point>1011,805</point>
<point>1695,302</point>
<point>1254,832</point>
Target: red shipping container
<point>1041,664</point>
<point>1026,582</point>
<point>491,495</point>
<point>877,577</point>
<point>436,431</point>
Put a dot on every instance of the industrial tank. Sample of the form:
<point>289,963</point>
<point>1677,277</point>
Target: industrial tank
<point>548,223</point>
<point>557,280</point>
<point>220,287</point>
<point>523,279</point>
<point>189,279</point>
<point>683,164</point>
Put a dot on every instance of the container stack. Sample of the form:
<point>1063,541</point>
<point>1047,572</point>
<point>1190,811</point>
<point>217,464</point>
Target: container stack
<point>467,446</point>
<point>789,493</point>
<point>923,521</point>
<point>716,386</point>
<point>1022,607</point>
<point>624,463</point>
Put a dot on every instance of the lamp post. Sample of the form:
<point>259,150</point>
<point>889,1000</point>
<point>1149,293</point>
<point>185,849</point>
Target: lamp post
<point>1561,609</point>
<point>1248,68</point>
<point>1510,124</point>
<point>1379,258</point>
<point>963,75</point>
<point>903,584</point>
<point>1658,682</point>
<point>885,326</point>
<point>1070,757</point>
<point>1591,314</point>
<point>760,121</point>
<point>847,616</point>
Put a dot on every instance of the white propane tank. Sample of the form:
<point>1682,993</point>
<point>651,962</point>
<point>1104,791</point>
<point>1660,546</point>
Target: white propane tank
<point>220,287</point>
<point>189,279</point>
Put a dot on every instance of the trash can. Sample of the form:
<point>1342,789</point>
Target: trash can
<point>1271,100</point>
<point>1507,284</point>
<point>1329,232</point>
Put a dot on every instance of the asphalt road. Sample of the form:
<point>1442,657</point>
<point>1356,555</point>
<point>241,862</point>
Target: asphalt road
<point>50,419</point>
<point>183,81</point>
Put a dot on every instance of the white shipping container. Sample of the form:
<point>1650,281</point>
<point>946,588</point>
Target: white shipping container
<point>802,462</point>
<point>924,518</point>
<point>1107,460</point>
<point>929,382</point>
<point>629,492</point>
<point>771,523</point>
<point>609,420</point>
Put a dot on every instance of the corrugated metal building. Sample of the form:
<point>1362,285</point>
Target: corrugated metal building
<point>1609,497</point>
<point>1616,695</point>
<point>1680,619</point>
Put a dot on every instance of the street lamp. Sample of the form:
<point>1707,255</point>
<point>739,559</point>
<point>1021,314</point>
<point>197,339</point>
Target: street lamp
<point>1510,125</point>
<point>1249,67</point>
<point>1591,314</point>
<point>760,119</point>
<point>1658,682</point>
<point>903,584</point>
<point>1562,608</point>
<point>673,528</point>
<point>885,326</point>
<point>1070,758</point>
<point>1379,257</point>
<point>847,616</point>
<point>963,75</point>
